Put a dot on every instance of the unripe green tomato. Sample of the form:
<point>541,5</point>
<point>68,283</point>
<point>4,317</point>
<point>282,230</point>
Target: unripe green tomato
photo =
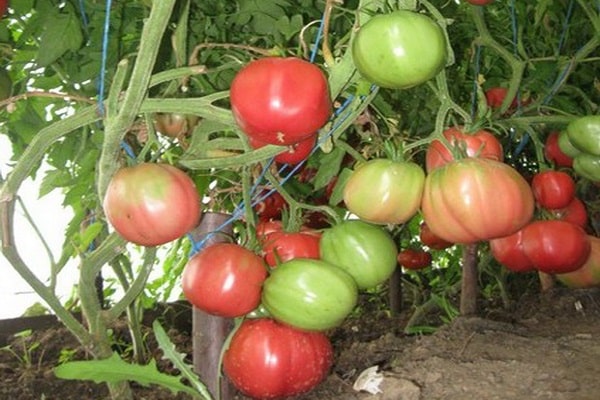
<point>365,251</point>
<point>588,166</point>
<point>399,50</point>
<point>383,191</point>
<point>564,143</point>
<point>584,134</point>
<point>309,294</point>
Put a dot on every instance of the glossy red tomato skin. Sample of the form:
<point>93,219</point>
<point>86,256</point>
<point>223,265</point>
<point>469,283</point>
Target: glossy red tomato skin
<point>509,252</point>
<point>224,279</point>
<point>553,189</point>
<point>478,144</point>
<point>279,100</point>
<point>589,274</point>
<point>414,259</point>
<point>431,240</point>
<point>463,199</point>
<point>282,246</point>
<point>269,360</point>
<point>152,204</point>
<point>575,213</point>
<point>555,247</point>
<point>295,154</point>
<point>554,154</point>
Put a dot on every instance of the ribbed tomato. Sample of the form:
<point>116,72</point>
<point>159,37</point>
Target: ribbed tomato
<point>269,360</point>
<point>477,144</point>
<point>476,199</point>
<point>152,204</point>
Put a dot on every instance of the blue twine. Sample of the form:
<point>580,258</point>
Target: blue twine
<point>84,17</point>
<point>125,146</point>
<point>104,57</point>
<point>315,48</point>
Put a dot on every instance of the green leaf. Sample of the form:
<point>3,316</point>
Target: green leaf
<point>114,369</point>
<point>330,166</point>
<point>61,34</point>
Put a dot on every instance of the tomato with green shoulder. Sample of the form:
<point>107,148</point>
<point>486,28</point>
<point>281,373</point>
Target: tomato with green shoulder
<point>584,134</point>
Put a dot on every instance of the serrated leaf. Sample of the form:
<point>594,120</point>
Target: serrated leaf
<point>114,370</point>
<point>171,354</point>
<point>337,195</point>
<point>330,166</point>
<point>61,34</point>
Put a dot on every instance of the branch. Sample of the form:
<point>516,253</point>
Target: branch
<point>39,93</point>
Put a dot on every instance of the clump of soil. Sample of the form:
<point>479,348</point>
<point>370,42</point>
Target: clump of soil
<point>548,347</point>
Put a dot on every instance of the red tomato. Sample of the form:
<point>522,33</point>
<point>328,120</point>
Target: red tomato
<point>280,100</point>
<point>414,259</point>
<point>589,274</point>
<point>296,152</point>
<point>224,279</point>
<point>268,360</point>
<point>476,199</point>
<point>264,228</point>
<point>555,247</point>
<point>509,252</point>
<point>554,154</point>
<point>152,204</point>
<point>575,213</point>
<point>431,240</point>
<point>496,95</point>
<point>282,246</point>
<point>480,2</point>
<point>270,207</point>
<point>3,7</point>
<point>553,189</point>
<point>479,144</point>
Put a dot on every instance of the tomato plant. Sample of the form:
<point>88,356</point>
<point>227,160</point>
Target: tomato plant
<point>575,212</point>
<point>224,279</point>
<point>386,53</point>
<point>589,274</point>
<point>279,100</point>
<point>553,189</point>
<point>278,247</point>
<point>383,191</point>
<point>269,360</point>
<point>365,251</point>
<point>555,246</point>
<point>477,144</point>
<point>509,252</point>
<point>553,152</point>
<point>462,200</point>
<point>295,154</point>
<point>430,239</point>
<point>414,259</point>
<point>151,204</point>
<point>309,294</point>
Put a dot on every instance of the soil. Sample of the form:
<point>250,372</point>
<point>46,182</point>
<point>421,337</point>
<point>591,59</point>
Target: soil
<point>547,347</point>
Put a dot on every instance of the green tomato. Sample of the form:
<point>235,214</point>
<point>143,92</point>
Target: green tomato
<point>365,251</point>
<point>399,50</point>
<point>385,192</point>
<point>588,166</point>
<point>309,294</point>
<point>584,134</point>
<point>565,145</point>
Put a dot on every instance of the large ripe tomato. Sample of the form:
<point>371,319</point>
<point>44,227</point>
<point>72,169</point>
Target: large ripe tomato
<point>386,53</point>
<point>383,191</point>
<point>575,212</point>
<point>414,259</point>
<point>224,279</point>
<point>365,251</point>
<point>553,189</point>
<point>278,247</point>
<point>152,204</point>
<point>476,199</point>
<point>295,154</point>
<point>431,240</point>
<point>553,152</point>
<point>280,100</point>
<point>309,294</point>
<point>269,360</point>
<point>509,252</point>
<point>477,144</point>
<point>589,274</point>
<point>555,246</point>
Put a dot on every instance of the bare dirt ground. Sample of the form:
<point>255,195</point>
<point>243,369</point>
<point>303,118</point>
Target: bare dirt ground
<point>547,348</point>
